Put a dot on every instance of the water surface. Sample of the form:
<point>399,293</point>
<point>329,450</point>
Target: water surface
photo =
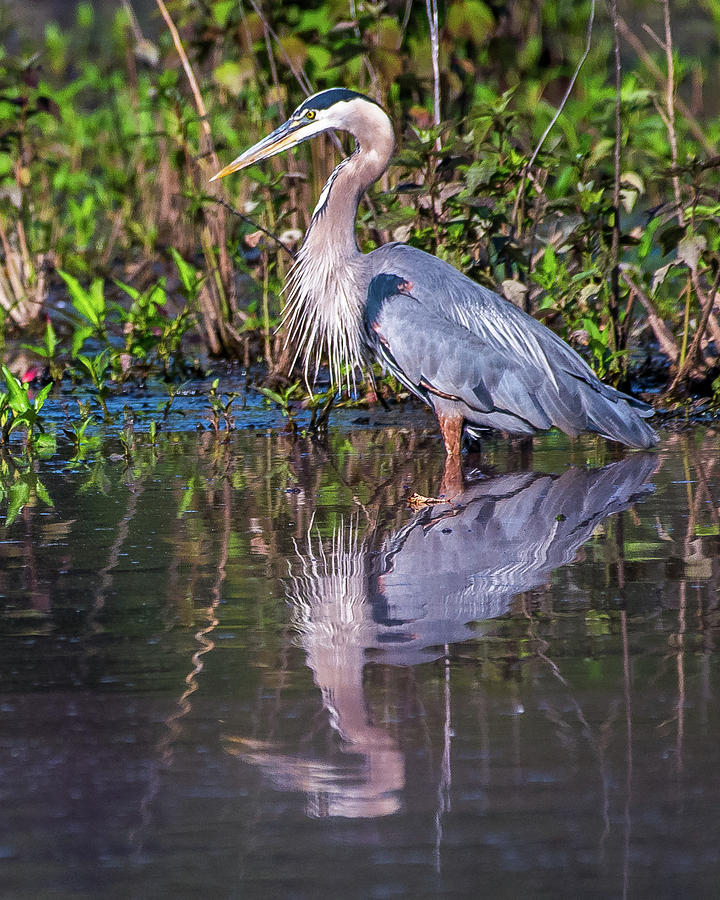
<point>244,666</point>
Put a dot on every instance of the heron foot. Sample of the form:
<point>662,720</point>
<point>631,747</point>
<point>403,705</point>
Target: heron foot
<point>419,501</point>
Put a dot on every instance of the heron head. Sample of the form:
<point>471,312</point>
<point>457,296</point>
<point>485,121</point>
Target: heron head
<point>335,108</point>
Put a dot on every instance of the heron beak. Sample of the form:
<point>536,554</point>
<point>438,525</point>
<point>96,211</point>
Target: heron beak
<point>288,135</point>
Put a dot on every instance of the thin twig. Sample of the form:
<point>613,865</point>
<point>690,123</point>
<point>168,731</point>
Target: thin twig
<point>659,77</point>
<point>197,96</point>
<point>221,286</point>
<point>707,302</point>
<point>255,225</point>
<point>299,74</point>
<point>404,25</point>
<point>670,106</point>
<point>614,304</point>
<point>432,14</point>
<point>663,335</point>
<point>558,112</point>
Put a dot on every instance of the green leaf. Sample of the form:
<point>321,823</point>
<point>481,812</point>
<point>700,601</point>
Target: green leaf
<point>470,19</point>
<point>128,288</point>
<point>24,420</point>
<point>690,248</point>
<point>190,279</point>
<point>86,363</point>
<point>480,173</point>
<point>319,56</point>
<point>548,268</point>
<point>89,303</point>
<point>34,348</point>
<point>42,491</point>
<point>233,74</point>
<point>221,11</point>
<point>80,335</point>
<point>17,395</point>
<point>393,218</point>
<point>41,397</point>
<point>272,395</point>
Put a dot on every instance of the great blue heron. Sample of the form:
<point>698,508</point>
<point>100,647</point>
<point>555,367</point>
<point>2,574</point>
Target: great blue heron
<point>475,358</point>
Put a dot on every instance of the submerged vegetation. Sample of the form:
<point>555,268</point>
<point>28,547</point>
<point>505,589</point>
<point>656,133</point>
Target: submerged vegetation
<point>564,154</point>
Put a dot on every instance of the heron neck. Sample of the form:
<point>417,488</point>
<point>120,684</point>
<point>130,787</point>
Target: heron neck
<point>333,221</point>
<point>326,289</point>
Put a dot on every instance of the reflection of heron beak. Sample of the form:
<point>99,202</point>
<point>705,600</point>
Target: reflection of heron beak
<point>283,138</point>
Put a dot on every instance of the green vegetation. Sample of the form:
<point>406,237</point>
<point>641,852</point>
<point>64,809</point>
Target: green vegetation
<point>18,410</point>
<point>119,260</point>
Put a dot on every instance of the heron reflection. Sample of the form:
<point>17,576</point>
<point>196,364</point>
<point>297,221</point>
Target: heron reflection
<point>400,598</point>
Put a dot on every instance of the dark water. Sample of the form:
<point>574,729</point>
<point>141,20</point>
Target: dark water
<point>248,669</point>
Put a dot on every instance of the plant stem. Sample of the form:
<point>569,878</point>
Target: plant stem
<point>670,105</point>
<point>551,123</point>
<point>223,278</point>
<point>432,15</point>
<point>614,300</point>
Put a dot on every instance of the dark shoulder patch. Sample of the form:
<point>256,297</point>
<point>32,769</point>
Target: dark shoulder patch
<point>381,287</point>
<point>327,98</point>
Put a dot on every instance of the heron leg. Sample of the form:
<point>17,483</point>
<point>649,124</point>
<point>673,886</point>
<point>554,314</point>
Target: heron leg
<point>452,482</point>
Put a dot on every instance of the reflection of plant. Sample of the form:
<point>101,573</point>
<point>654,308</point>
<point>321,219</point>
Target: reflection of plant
<point>18,485</point>
<point>127,440</point>
<point>19,410</point>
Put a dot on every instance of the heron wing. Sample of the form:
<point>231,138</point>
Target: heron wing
<point>523,357</point>
<point>437,358</point>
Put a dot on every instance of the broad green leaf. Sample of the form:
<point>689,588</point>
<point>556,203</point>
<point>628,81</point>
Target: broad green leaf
<point>17,395</point>
<point>189,277</point>
<point>128,288</point>
<point>690,248</point>
<point>41,397</point>
<point>221,11</point>
<point>80,335</point>
<point>89,303</point>
<point>271,395</point>
<point>35,348</point>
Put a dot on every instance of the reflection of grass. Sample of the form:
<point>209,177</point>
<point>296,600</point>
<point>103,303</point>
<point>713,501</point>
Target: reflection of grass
<point>707,530</point>
<point>643,551</point>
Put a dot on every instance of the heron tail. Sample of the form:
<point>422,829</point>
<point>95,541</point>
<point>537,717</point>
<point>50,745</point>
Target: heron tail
<point>621,418</point>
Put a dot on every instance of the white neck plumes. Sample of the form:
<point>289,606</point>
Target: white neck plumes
<point>326,288</point>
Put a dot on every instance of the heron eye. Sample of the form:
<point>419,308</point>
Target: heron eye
<point>310,113</point>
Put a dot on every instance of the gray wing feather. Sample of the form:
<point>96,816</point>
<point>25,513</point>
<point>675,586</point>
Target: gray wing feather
<point>484,345</point>
<point>454,362</point>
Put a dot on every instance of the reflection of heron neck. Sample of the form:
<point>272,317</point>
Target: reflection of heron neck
<point>337,658</point>
<point>327,286</point>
